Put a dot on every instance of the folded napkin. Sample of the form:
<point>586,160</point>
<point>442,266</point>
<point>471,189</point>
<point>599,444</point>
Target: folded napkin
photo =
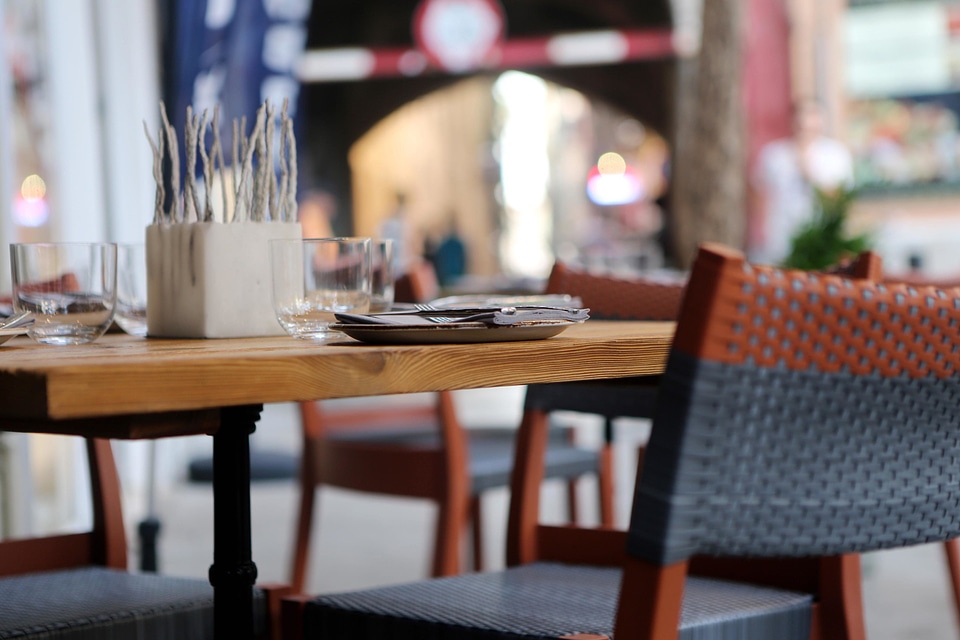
<point>493,316</point>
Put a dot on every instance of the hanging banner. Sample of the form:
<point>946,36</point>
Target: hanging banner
<point>232,53</point>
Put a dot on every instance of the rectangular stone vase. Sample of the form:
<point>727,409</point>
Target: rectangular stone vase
<point>211,279</point>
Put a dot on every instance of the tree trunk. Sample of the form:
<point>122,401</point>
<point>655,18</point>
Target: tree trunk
<point>709,162</point>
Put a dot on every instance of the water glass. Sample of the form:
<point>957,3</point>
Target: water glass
<point>381,275</point>
<point>132,288</point>
<point>70,288</point>
<point>315,278</point>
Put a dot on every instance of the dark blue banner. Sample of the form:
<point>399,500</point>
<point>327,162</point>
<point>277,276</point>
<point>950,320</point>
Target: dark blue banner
<point>235,53</point>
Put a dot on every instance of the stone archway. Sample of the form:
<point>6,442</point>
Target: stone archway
<point>337,114</point>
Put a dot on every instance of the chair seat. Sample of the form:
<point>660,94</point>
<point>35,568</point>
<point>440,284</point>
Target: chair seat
<point>623,398</point>
<point>491,457</point>
<point>546,600</point>
<point>491,452</point>
<point>95,602</point>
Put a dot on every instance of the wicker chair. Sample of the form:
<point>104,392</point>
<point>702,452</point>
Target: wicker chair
<point>616,298</point>
<point>76,586</point>
<point>417,450</point>
<point>803,419</point>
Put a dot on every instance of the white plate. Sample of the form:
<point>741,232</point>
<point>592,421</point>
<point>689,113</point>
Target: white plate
<point>452,333</point>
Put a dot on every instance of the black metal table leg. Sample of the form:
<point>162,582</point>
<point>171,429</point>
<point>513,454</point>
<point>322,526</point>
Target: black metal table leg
<point>233,572</point>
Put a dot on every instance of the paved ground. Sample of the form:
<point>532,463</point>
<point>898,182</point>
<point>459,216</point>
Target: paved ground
<point>365,540</point>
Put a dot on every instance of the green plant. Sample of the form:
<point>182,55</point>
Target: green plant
<point>823,241</point>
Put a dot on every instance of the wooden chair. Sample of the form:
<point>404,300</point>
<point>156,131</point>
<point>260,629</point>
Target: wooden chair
<point>608,297</point>
<point>419,451</point>
<point>76,586</point>
<point>803,419</point>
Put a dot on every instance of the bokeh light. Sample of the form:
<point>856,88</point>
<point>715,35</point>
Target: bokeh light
<point>33,187</point>
<point>611,164</point>
<point>612,182</point>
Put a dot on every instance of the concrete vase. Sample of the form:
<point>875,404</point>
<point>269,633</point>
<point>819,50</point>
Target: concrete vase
<point>211,279</point>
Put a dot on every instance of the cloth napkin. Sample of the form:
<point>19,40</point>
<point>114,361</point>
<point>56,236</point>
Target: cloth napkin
<point>493,316</point>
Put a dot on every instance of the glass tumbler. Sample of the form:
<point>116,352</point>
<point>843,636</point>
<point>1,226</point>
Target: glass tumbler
<point>315,278</point>
<point>70,288</point>
<point>381,275</point>
<point>132,288</point>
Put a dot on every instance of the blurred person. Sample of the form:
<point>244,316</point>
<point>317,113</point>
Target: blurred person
<point>449,257</point>
<point>786,173</point>
<point>396,227</point>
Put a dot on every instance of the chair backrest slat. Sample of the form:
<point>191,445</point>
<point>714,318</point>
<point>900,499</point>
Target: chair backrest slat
<point>802,414</point>
<point>617,298</point>
<point>104,545</point>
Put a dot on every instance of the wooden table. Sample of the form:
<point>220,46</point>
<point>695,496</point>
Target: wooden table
<point>128,387</point>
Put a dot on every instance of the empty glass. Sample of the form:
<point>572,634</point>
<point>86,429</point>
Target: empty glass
<point>315,278</point>
<point>70,288</point>
<point>132,288</point>
<point>381,275</point>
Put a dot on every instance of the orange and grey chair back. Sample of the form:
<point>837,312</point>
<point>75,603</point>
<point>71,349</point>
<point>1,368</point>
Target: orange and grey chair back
<point>802,414</point>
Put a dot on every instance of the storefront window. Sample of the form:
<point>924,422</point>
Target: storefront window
<point>903,79</point>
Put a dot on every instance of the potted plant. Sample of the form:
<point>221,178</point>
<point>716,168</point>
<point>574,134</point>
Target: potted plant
<point>208,269</point>
<point>824,241</point>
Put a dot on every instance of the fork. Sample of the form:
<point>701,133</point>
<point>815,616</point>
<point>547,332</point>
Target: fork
<point>435,319</point>
<point>17,320</point>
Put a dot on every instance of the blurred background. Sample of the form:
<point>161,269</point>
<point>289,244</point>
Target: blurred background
<point>491,137</point>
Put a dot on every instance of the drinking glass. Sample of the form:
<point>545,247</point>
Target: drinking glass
<point>132,288</point>
<point>381,275</point>
<point>315,278</point>
<point>70,288</point>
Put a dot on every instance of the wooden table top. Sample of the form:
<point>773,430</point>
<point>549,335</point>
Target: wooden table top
<point>122,375</point>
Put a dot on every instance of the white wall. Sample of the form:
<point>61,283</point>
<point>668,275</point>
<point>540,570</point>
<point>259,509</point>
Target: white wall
<point>129,78</point>
<point>102,80</point>
<point>78,211</point>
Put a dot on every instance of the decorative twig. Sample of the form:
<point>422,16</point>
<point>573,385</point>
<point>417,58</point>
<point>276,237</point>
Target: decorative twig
<point>157,173</point>
<point>261,193</point>
<point>281,202</point>
<point>190,192</point>
<point>217,154</point>
<point>246,175</point>
<point>270,204</point>
<point>258,144</point>
<point>235,168</point>
<point>174,151</point>
<point>207,170</point>
<point>292,185</point>
<point>161,185</point>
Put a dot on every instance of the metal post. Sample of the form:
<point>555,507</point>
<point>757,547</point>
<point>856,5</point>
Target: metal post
<point>233,572</point>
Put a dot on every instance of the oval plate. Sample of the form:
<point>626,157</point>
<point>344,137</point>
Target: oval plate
<point>451,333</point>
<point>6,334</point>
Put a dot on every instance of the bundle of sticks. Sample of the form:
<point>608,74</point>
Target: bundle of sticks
<point>249,187</point>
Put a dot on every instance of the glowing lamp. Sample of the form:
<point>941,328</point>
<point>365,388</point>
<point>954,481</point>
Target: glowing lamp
<point>30,209</point>
<point>613,182</point>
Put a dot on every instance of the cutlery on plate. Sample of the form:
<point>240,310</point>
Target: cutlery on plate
<point>21,319</point>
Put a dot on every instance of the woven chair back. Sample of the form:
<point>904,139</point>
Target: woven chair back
<point>802,414</point>
<point>611,298</point>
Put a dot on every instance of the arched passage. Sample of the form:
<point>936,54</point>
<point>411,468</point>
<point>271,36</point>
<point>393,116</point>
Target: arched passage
<point>338,114</point>
<point>503,163</point>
